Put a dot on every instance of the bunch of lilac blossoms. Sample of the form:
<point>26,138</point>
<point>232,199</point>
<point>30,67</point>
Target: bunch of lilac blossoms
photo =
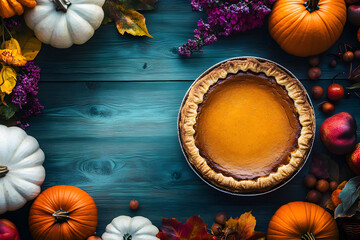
<point>225,18</point>
<point>24,95</point>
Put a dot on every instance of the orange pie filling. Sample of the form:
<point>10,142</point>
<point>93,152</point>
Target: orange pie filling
<point>247,126</point>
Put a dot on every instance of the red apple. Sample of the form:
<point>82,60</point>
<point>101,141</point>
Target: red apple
<point>353,160</point>
<point>338,133</point>
<point>8,230</point>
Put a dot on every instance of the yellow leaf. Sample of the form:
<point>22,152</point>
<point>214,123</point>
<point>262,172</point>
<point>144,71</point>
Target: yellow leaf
<point>7,79</point>
<point>129,20</point>
<point>11,55</point>
<point>246,227</point>
<point>29,44</point>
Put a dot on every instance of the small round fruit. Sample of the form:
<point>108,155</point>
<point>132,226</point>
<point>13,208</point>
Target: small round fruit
<point>94,238</point>
<point>333,185</point>
<point>221,218</point>
<point>322,185</point>
<point>216,229</point>
<point>313,196</point>
<point>357,54</point>
<point>328,108</point>
<point>348,56</point>
<point>333,63</point>
<point>317,92</point>
<point>335,92</point>
<point>134,204</point>
<point>310,181</point>
<point>314,73</point>
<point>335,197</point>
<point>314,61</point>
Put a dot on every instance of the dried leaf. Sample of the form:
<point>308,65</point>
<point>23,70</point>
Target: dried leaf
<point>29,44</point>
<point>355,74</point>
<point>193,229</point>
<point>319,166</point>
<point>126,20</point>
<point>354,86</point>
<point>11,55</point>
<point>349,196</point>
<point>7,79</point>
<point>139,5</point>
<point>244,227</point>
<point>8,111</point>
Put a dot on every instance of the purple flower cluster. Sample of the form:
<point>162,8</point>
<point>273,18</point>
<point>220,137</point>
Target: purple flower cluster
<point>25,92</point>
<point>13,23</point>
<point>225,18</point>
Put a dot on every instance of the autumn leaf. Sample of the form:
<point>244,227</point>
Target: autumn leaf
<point>242,228</point>
<point>126,19</point>
<point>29,44</point>
<point>193,229</point>
<point>7,81</point>
<point>11,54</point>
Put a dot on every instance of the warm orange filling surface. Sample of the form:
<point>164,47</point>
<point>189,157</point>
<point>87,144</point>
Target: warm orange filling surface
<point>247,126</point>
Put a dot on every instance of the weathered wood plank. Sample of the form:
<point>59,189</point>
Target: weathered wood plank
<point>108,56</point>
<point>118,142</point>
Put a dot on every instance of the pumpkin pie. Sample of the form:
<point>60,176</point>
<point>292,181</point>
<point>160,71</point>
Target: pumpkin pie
<point>246,125</point>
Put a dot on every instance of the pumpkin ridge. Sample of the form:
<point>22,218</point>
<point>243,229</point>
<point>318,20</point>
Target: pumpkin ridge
<point>17,149</point>
<point>329,28</point>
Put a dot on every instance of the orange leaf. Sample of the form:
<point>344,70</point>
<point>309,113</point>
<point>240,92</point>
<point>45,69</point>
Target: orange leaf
<point>247,223</point>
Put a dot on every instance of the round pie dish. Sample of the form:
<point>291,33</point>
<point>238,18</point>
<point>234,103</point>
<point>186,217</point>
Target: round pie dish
<point>246,126</point>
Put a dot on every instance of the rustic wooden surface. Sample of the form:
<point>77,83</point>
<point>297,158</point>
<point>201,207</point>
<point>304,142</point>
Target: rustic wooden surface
<point>109,125</point>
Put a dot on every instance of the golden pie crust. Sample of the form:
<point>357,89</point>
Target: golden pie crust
<point>188,120</point>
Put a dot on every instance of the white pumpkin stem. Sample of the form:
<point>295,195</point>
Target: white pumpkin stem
<point>312,5</point>
<point>3,171</point>
<point>61,216</point>
<point>308,236</point>
<point>127,237</point>
<point>62,5</point>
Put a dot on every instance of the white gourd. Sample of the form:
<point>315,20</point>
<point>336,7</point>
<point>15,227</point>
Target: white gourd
<point>127,228</point>
<point>21,170</point>
<point>62,23</point>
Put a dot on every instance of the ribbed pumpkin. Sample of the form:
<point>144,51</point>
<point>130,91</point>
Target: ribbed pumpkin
<point>306,28</point>
<point>63,213</point>
<point>9,8</point>
<point>302,220</point>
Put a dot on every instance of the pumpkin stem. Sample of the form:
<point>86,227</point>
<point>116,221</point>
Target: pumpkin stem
<point>308,236</point>
<point>61,216</point>
<point>62,5</point>
<point>3,171</point>
<point>127,237</point>
<point>312,5</point>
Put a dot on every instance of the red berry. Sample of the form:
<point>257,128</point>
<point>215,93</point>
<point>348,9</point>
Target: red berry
<point>314,73</point>
<point>357,54</point>
<point>134,204</point>
<point>333,63</point>
<point>348,56</point>
<point>335,92</point>
<point>314,61</point>
<point>310,181</point>
<point>314,196</point>
<point>328,108</point>
<point>317,92</point>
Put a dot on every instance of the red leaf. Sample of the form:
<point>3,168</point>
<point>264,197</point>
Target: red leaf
<point>193,229</point>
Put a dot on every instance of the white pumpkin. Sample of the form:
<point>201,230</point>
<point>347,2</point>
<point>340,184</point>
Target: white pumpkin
<point>62,23</point>
<point>127,228</point>
<point>21,170</point>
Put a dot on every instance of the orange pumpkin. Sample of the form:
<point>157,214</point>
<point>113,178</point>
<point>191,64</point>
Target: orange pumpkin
<point>9,8</point>
<point>302,220</point>
<point>62,213</point>
<point>306,28</point>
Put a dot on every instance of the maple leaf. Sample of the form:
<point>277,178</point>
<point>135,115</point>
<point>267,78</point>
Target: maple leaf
<point>193,229</point>
<point>242,228</point>
<point>126,19</point>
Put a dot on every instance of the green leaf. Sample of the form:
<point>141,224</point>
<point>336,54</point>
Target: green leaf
<point>349,196</point>
<point>8,111</point>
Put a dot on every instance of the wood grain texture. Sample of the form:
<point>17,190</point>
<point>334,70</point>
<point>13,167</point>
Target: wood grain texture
<point>109,56</point>
<point>118,142</point>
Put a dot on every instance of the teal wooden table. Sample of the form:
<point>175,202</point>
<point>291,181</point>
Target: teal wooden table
<point>109,124</point>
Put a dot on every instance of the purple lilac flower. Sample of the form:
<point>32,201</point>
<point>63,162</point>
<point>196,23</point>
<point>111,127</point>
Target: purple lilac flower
<point>25,92</point>
<point>225,18</point>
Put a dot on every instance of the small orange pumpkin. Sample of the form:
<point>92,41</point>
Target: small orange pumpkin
<point>302,220</point>
<point>63,212</point>
<point>9,8</point>
<point>307,27</point>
